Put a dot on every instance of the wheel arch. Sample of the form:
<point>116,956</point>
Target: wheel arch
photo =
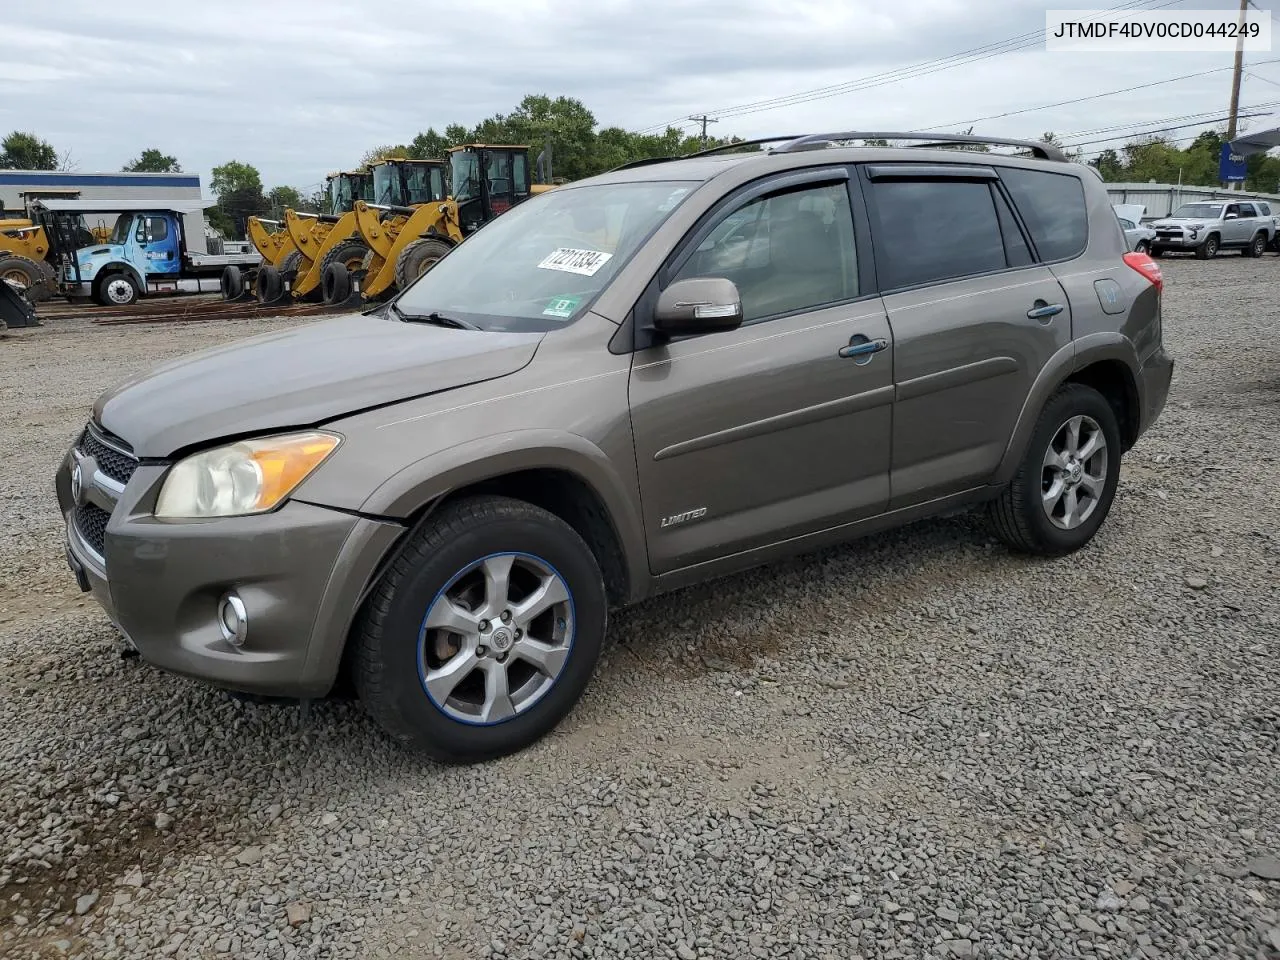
<point>1105,361</point>
<point>113,267</point>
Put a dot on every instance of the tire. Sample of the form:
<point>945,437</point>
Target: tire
<point>269,285</point>
<point>1209,249</point>
<point>1019,516</point>
<point>395,650</point>
<point>350,253</point>
<point>117,290</point>
<point>231,283</point>
<point>1142,247</point>
<point>417,258</point>
<point>335,284</point>
<point>32,276</point>
<point>1257,246</point>
<point>290,264</point>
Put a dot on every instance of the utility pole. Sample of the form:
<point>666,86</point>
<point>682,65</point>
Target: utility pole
<point>1235,80</point>
<point>704,120</point>
<point>1235,75</point>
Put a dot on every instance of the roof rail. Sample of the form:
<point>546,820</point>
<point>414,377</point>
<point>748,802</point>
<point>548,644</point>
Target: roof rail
<point>725,147</point>
<point>642,162</point>
<point>817,141</point>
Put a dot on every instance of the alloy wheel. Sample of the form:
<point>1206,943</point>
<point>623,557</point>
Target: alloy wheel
<point>1074,475</point>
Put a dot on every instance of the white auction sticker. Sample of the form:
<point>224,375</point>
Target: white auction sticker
<point>569,260</point>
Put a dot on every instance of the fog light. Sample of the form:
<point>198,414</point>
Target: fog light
<point>233,620</point>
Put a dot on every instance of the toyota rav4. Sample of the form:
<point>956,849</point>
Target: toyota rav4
<point>645,379</point>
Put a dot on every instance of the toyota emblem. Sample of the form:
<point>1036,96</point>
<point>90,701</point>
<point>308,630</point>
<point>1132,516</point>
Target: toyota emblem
<point>77,483</point>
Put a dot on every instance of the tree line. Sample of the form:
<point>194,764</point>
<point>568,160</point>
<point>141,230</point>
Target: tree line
<point>581,148</point>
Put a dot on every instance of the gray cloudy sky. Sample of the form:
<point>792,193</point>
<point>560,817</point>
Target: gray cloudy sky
<point>302,87</point>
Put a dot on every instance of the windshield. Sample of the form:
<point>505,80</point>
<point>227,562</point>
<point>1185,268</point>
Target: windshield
<point>464,172</point>
<point>339,195</point>
<point>1189,211</point>
<point>124,223</point>
<point>542,263</point>
<point>386,185</point>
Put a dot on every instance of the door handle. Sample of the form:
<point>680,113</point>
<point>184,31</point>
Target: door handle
<point>1043,311</point>
<point>860,346</point>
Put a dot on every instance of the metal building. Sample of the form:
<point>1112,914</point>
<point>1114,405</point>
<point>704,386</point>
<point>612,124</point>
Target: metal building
<point>1161,199</point>
<point>19,187</point>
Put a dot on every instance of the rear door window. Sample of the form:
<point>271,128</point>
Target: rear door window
<point>928,231</point>
<point>1053,208</point>
<point>1247,210</point>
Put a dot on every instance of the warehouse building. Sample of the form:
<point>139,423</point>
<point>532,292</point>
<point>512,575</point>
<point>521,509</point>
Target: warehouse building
<point>19,187</point>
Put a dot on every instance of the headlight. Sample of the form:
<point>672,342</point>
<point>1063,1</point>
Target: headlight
<point>252,476</point>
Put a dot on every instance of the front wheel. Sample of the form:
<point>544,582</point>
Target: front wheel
<point>484,632</point>
<point>1067,480</point>
<point>1142,247</point>
<point>1208,249</point>
<point>117,290</point>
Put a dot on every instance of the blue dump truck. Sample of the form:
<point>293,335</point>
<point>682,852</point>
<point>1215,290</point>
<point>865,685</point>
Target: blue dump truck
<point>148,253</point>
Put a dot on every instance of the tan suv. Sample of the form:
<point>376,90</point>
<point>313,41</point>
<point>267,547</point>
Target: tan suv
<point>667,373</point>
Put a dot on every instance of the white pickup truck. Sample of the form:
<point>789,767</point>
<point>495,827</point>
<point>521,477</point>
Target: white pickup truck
<point>1207,226</point>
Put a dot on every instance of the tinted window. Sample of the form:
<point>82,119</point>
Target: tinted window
<point>1246,210</point>
<point>1015,244</point>
<point>786,252</point>
<point>935,230</point>
<point>1053,208</point>
<point>1264,209</point>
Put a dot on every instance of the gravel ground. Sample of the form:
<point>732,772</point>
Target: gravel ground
<point>915,746</point>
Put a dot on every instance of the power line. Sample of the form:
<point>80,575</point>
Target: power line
<point>924,68</point>
<point>1096,96</point>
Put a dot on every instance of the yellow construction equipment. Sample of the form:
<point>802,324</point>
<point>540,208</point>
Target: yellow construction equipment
<point>411,223</point>
<point>294,251</point>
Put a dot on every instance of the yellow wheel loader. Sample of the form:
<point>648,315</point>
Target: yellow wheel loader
<point>293,252</point>
<point>26,255</point>
<point>407,235</point>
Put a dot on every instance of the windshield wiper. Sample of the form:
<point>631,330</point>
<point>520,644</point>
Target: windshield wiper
<point>439,319</point>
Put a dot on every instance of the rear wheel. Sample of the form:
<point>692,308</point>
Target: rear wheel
<point>484,632</point>
<point>417,258</point>
<point>117,290</point>
<point>290,264</point>
<point>336,284</point>
<point>1257,246</point>
<point>1067,480</point>
<point>1209,248</point>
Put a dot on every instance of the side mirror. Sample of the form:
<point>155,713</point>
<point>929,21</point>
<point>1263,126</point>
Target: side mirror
<point>698,305</point>
<point>1232,216</point>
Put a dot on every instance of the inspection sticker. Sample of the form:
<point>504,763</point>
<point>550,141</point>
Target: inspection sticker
<point>561,306</point>
<point>569,260</point>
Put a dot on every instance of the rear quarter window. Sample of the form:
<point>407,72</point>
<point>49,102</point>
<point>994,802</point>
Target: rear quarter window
<point>1053,208</point>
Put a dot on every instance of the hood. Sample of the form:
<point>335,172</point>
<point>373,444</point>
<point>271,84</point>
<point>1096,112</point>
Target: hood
<point>1130,211</point>
<point>100,250</point>
<point>301,377</point>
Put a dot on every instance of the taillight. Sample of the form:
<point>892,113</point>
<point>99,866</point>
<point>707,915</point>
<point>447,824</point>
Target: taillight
<point>1147,267</point>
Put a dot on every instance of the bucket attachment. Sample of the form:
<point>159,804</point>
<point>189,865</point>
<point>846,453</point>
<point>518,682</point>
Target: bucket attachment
<point>15,310</point>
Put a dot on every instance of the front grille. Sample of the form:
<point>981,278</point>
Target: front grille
<point>116,465</point>
<point>91,523</point>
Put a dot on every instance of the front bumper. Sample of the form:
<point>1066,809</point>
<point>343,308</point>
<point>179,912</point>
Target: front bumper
<point>73,289</point>
<point>1177,241</point>
<point>299,571</point>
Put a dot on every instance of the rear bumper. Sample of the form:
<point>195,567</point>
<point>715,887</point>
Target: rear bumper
<point>1157,375</point>
<point>299,572</point>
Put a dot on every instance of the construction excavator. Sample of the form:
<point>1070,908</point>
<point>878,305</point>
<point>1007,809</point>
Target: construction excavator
<point>411,222</point>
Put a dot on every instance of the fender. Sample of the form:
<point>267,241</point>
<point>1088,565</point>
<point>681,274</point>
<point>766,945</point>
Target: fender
<point>484,458</point>
<point>121,266</point>
<point>1075,356</point>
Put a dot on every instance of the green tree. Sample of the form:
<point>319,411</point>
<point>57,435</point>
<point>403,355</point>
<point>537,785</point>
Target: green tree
<point>430,145</point>
<point>238,187</point>
<point>152,160</point>
<point>388,150</point>
<point>284,198</point>
<point>26,151</point>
